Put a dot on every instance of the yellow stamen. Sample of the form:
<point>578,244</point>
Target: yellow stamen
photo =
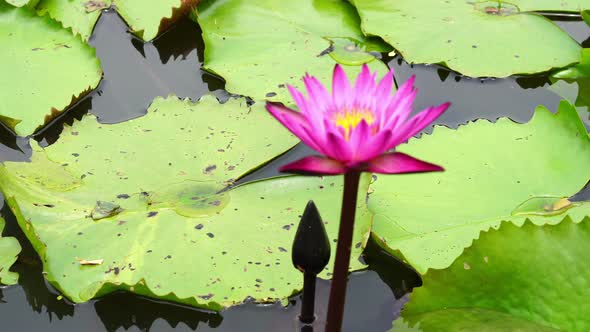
<point>349,119</point>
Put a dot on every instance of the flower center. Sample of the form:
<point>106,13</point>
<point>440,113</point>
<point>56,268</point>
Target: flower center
<point>349,119</point>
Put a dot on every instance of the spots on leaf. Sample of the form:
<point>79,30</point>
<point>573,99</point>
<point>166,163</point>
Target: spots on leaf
<point>209,169</point>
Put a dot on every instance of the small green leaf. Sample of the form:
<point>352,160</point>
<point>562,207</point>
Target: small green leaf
<point>37,63</point>
<point>578,74</point>
<point>586,16</point>
<point>9,249</point>
<point>516,278</point>
<point>475,38</point>
<point>493,172</point>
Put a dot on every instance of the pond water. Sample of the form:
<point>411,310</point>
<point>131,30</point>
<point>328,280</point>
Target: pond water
<point>134,73</point>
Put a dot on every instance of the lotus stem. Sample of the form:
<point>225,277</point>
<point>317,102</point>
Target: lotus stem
<point>340,275</point>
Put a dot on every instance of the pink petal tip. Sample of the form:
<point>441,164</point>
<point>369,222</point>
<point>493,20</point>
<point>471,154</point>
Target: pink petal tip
<point>398,163</point>
<point>314,165</point>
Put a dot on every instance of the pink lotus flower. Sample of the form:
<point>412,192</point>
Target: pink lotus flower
<point>355,127</point>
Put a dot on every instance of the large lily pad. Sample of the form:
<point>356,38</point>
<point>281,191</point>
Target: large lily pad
<point>529,278</point>
<point>476,38</point>
<point>9,249</point>
<point>494,172</point>
<point>258,48</point>
<point>148,201</point>
<point>37,61</point>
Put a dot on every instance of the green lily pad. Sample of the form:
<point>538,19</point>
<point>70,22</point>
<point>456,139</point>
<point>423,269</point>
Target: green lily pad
<point>516,278</point>
<point>37,63</point>
<point>467,319</point>
<point>476,38</point>
<point>494,172</point>
<point>78,15</point>
<point>579,74</point>
<point>145,20</point>
<point>580,70</point>
<point>20,3</point>
<point>9,249</point>
<point>259,48</point>
<point>151,197</point>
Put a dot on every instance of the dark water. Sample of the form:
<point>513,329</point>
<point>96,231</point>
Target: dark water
<point>135,73</point>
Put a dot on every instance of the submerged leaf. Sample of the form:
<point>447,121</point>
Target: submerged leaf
<point>348,51</point>
<point>517,280</point>
<point>491,170</point>
<point>37,63</point>
<point>181,233</point>
<point>105,210</point>
<point>475,38</point>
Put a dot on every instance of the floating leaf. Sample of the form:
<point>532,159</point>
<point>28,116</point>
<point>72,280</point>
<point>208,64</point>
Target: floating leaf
<point>476,38</point>
<point>146,20</point>
<point>79,15</point>
<point>579,74</point>
<point>491,170</point>
<point>511,279</point>
<point>259,48</point>
<point>9,249</point>
<point>180,233</point>
<point>580,70</point>
<point>37,63</point>
<point>20,3</point>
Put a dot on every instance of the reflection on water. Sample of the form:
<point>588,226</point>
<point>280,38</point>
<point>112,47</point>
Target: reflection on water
<point>136,72</point>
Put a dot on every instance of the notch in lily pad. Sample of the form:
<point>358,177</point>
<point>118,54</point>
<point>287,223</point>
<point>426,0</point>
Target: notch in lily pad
<point>351,52</point>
